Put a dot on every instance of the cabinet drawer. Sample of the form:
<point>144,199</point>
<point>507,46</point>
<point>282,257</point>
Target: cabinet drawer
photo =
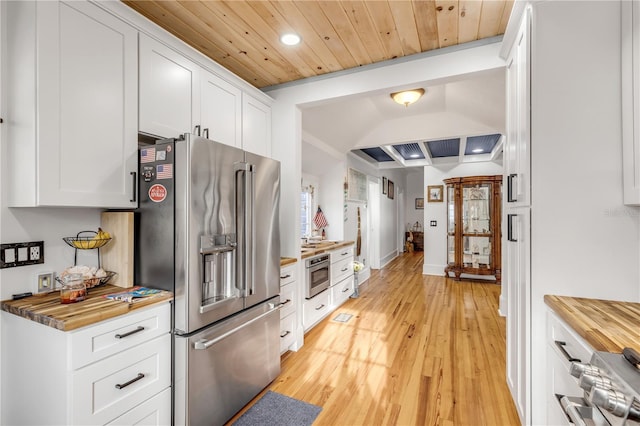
<point>154,412</point>
<point>343,253</point>
<point>287,332</point>
<point>341,270</point>
<point>109,388</point>
<point>94,343</point>
<point>313,310</point>
<point>287,299</point>
<point>574,345</point>
<point>341,292</point>
<point>288,274</point>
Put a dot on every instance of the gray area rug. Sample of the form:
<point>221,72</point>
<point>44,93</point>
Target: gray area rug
<point>274,409</point>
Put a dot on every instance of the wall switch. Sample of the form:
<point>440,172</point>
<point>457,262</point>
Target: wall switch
<point>21,254</point>
<point>45,282</point>
<point>433,223</point>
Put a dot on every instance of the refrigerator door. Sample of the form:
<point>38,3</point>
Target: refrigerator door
<point>263,231</point>
<point>227,365</point>
<point>207,288</point>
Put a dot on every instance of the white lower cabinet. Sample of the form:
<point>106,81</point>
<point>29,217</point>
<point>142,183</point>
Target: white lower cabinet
<point>288,307</point>
<point>314,309</point>
<point>124,376</point>
<point>340,292</point>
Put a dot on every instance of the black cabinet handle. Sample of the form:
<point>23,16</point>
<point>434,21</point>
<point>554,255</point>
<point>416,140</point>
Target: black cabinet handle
<point>561,345</point>
<point>320,307</point>
<point>135,379</point>
<point>134,188</point>
<point>285,302</point>
<point>285,277</point>
<point>205,133</point>
<point>510,197</point>
<point>129,333</point>
<point>196,130</point>
<point>510,227</point>
<point>285,334</point>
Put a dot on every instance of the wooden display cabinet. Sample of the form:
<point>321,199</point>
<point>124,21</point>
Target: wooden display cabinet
<point>473,226</point>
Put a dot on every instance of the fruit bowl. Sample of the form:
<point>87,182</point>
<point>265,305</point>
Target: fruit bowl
<point>86,243</point>
<point>92,281</point>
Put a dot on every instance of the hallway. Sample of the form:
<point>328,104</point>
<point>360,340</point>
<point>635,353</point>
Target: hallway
<point>419,350</point>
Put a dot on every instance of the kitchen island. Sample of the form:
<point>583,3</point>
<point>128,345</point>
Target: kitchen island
<point>606,325</point>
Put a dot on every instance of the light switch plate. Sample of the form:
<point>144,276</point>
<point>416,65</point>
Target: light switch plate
<point>21,254</point>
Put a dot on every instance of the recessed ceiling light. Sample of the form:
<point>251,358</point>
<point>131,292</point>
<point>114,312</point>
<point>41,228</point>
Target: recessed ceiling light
<point>477,150</point>
<point>414,155</point>
<point>290,39</point>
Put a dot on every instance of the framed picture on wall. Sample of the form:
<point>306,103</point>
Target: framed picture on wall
<point>419,203</point>
<point>384,185</point>
<point>390,190</point>
<point>434,193</point>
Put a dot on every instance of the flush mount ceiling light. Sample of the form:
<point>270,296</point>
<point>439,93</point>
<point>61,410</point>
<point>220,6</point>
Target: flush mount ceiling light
<point>290,39</point>
<point>478,150</point>
<point>407,97</point>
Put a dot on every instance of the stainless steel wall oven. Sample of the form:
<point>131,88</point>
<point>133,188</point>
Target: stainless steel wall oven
<point>317,275</point>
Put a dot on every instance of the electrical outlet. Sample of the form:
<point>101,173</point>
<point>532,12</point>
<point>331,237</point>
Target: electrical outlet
<point>45,282</point>
<point>21,254</point>
<point>34,253</point>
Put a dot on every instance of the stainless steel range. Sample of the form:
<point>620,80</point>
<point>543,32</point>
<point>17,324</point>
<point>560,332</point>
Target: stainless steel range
<point>611,384</point>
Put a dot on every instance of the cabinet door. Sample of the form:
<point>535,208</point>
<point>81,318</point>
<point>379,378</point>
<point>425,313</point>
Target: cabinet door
<point>256,126</point>
<point>87,105</point>
<point>631,101</point>
<point>169,90</point>
<point>518,282</point>
<point>221,110</point>
<point>517,146</point>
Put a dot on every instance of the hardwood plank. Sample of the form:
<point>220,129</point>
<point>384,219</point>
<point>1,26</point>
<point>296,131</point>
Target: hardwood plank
<point>385,26</point>
<point>336,15</point>
<point>406,26</point>
<point>361,21</point>
<point>447,17</point>
<point>506,13</point>
<point>419,350</point>
<point>186,32</point>
<point>469,20</point>
<point>491,18</point>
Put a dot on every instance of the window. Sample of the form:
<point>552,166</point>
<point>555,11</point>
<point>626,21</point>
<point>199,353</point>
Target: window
<point>306,210</point>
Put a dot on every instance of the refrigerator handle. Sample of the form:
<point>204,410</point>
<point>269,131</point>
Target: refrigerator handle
<point>245,220</point>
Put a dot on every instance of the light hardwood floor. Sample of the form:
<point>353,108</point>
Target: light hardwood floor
<point>419,350</point>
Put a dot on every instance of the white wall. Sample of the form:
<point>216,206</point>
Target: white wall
<point>435,238</point>
<point>415,189</point>
<point>331,199</point>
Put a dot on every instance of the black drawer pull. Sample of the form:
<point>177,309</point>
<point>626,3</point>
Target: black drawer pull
<point>320,307</point>
<point>345,253</point>
<point>285,302</point>
<point>134,190</point>
<point>346,289</point>
<point>285,334</point>
<point>285,277</point>
<point>129,333</point>
<point>124,385</point>
<point>561,346</point>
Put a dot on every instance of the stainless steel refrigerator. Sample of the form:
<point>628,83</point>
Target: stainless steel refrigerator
<point>207,228</point>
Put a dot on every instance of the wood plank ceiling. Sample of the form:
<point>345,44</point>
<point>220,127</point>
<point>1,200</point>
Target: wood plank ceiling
<point>243,36</point>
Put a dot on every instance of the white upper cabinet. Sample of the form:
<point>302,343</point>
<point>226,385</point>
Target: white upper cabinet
<point>517,145</point>
<point>71,85</point>
<point>256,126</point>
<point>169,90</point>
<point>221,110</point>
<point>630,20</point>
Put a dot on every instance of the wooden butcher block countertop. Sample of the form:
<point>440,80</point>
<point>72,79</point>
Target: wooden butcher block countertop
<point>606,325</point>
<point>284,261</point>
<point>47,309</point>
<point>320,247</point>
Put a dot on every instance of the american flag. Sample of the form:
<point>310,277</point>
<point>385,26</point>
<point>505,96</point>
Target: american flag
<point>319,220</point>
<point>164,171</point>
<point>148,155</point>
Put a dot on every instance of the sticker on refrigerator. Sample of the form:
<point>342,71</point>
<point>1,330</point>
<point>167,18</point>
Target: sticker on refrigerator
<point>161,155</point>
<point>148,172</point>
<point>147,155</point>
<point>164,171</point>
<point>157,193</point>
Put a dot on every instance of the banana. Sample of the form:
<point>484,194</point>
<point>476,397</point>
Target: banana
<point>102,235</point>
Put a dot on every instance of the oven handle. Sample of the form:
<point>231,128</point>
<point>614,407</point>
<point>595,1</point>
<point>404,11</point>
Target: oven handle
<point>571,409</point>
<point>318,266</point>
<point>560,344</point>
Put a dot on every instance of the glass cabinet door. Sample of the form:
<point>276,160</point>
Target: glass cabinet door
<point>451,224</point>
<point>476,226</point>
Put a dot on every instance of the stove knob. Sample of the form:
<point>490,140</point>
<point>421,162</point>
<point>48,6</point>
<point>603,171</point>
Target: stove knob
<point>576,369</point>
<point>587,382</point>
<point>609,399</point>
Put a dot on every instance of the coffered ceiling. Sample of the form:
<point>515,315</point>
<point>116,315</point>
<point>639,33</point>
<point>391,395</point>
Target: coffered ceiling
<point>243,36</point>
